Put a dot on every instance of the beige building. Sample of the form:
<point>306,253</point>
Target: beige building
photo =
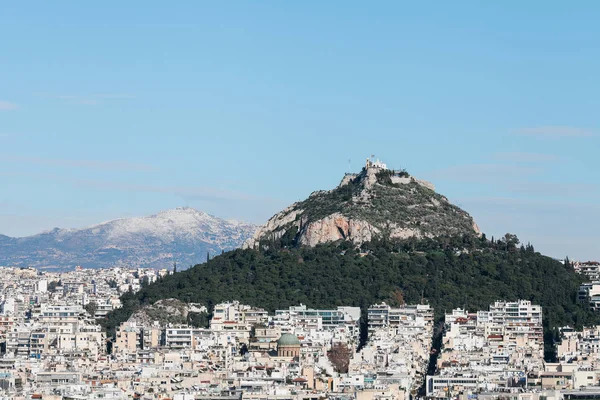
<point>127,338</point>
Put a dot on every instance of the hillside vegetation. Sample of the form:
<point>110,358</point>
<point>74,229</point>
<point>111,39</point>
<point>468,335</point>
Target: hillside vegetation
<point>454,272</point>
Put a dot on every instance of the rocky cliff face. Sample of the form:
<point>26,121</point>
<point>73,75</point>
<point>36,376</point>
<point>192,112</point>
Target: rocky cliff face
<point>375,203</point>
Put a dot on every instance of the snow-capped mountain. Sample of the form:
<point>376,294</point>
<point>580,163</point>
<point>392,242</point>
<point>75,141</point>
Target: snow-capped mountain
<point>182,235</point>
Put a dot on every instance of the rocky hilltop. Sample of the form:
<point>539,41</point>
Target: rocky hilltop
<point>166,311</point>
<point>183,235</point>
<point>377,202</point>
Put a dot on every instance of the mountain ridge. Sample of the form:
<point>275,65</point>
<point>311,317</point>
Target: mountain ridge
<point>183,235</point>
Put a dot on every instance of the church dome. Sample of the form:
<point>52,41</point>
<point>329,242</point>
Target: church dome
<point>287,339</point>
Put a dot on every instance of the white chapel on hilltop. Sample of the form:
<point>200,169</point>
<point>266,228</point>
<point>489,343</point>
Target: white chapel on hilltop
<point>372,163</point>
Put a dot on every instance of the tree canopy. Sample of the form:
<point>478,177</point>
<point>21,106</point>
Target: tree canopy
<point>446,272</point>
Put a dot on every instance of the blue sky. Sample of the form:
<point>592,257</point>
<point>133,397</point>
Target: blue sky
<point>117,109</point>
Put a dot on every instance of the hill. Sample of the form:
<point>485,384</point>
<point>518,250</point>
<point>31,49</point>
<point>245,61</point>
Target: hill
<point>445,272</point>
<point>381,235</point>
<point>376,203</point>
<point>183,235</point>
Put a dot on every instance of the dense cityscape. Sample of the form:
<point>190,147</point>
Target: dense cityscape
<point>54,347</point>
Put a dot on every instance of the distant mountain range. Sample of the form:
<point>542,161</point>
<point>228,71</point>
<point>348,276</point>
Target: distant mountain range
<point>182,235</point>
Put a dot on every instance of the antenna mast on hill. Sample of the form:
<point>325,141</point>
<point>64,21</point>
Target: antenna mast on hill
<point>349,167</point>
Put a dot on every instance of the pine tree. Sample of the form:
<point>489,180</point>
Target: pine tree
<point>174,267</point>
<point>207,256</point>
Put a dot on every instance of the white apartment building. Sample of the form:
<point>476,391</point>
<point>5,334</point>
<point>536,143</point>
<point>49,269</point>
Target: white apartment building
<point>450,384</point>
<point>17,340</point>
<point>317,319</point>
<point>590,268</point>
<point>179,337</point>
<point>515,320</point>
<point>382,315</point>
<point>590,292</point>
<point>60,314</point>
<point>236,312</point>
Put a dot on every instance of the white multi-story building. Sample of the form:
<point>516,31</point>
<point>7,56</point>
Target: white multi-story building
<point>236,312</point>
<point>382,315</point>
<point>590,268</point>
<point>60,314</point>
<point>590,292</point>
<point>179,337</point>
<point>344,320</point>
<point>515,321</point>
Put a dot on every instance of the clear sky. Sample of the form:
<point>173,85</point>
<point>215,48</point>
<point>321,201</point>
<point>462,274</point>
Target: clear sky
<point>123,108</point>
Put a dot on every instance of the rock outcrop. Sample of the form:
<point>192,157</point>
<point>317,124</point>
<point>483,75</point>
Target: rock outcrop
<point>337,227</point>
<point>166,311</point>
<point>375,203</point>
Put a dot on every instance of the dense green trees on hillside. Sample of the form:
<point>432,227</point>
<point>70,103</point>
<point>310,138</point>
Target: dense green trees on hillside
<point>446,272</point>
